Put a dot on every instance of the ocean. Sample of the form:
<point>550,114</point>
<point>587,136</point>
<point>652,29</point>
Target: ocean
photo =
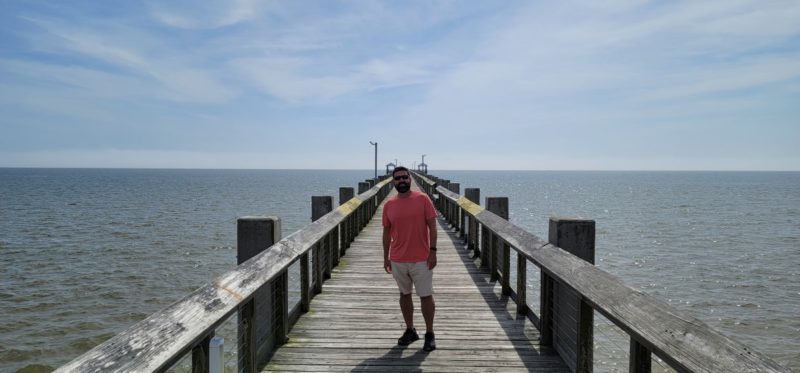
<point>86,253</point>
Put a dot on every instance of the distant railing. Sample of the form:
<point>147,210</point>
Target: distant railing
<point>257,290</point>
<point>575,287</point>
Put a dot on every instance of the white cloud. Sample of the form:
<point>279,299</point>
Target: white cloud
<point>204,14</point>
<point>296,79</point>
<point>133,54</point>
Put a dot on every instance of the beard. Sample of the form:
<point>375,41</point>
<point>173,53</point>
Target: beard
<point>402,187</point>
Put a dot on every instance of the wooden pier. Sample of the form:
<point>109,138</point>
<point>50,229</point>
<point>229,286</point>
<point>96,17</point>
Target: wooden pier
<point>348,316</point>
<point>356,320</point>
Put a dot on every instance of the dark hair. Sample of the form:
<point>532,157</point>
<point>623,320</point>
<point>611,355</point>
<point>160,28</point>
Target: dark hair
<point>400,168</point>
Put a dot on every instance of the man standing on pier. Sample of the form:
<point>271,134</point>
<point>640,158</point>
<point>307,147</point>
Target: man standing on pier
<point>409,253</point>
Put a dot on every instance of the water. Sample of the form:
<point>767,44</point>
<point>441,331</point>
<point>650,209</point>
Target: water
<point>85,253</point>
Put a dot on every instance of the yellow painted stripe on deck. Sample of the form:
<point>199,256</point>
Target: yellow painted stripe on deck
<point>349,206</point>
<point>471,207</point>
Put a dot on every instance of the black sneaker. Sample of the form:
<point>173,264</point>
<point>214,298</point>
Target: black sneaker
<point>409,336</point>
<point>430,342</point>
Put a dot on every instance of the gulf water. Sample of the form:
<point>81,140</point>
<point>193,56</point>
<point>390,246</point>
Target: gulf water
<point>86,253</point>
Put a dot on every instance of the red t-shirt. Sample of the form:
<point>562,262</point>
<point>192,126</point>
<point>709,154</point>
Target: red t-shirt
<point>407,219</point>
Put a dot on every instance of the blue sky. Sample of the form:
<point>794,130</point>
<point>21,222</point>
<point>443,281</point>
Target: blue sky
<point>583,85</point>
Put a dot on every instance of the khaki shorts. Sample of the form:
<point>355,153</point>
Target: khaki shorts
<point>417,274</point>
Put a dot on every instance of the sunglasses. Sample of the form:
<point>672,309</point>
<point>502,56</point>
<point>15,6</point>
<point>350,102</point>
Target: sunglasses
<point>401,177</point>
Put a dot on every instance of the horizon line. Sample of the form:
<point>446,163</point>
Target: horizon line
<point>372,170</point>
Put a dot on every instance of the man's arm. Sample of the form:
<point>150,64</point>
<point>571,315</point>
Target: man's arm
<point>432,238</point>
<point>387,241</point>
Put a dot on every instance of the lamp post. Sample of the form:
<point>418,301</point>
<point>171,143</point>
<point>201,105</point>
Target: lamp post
<point>376,158</point>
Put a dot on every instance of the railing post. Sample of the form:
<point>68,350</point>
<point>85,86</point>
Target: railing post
<point>498,206</point>
<point>572,317</point>
<point>305,284</point>
<point>247,338</point>
<point>522,284</point>
<point>474,195</point>
<point>370,204</point>
<point>346,194</point>
<point>362,214</point>
<point>321,205</point>
<point>200,355</point>
<point>454,216</point>
<point>255,234</point>
<point>485,249</point>
<point>640,360</point>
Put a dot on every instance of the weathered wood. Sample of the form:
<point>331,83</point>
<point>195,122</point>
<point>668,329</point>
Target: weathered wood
<point>573,333</point>
<point>256,234</point>
<point>247,338</point>
<point>345,195</point>
<point>522,285</point>
<point>640,359</point>
<point>498,206</point>
<point>473,195</point>
<point>305,283</point>
<point>200,362</point>
<point>162,338</point>
<point>280,308</point>
<point>545,308</point>
<point>454,213</point>
<point>681,340</point>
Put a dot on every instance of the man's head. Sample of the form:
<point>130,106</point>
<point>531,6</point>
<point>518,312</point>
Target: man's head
<point>401,179</point>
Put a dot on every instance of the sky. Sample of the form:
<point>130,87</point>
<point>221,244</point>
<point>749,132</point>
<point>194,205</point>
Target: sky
<point>519,85</point>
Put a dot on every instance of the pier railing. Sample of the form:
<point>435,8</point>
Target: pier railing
<point>257,290</point>
<point>572,288</point>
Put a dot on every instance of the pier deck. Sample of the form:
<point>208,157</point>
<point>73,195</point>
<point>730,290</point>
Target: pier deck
<point>353,325</point>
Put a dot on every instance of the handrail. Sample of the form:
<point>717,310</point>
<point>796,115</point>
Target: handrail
<point>161,339</point>
<point>684,342</point>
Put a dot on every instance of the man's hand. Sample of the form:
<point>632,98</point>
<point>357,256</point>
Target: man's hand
<point>387,265</point>
<point>432,259</point>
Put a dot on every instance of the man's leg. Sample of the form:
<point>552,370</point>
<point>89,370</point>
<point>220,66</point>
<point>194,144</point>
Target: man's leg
<point>407,308</point>
<point>428,310</point>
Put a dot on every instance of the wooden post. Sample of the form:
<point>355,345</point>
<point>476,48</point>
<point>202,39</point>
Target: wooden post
<point>522,284</point>
<point>363,187</point>
<point>305,284</point>
<point>333,243</point>
<point>640,360</point>
<point>485,248</point>
<point>316,260</point>
<point>346,194</point>
<point>280,307</point>
<point>200,356</point>
<point>247,338</point>
<point>498,206</point>
<point>474,195</point>
<point>255,234</point>
<point>455,219</point>
<point>369,203</point>
<point>362,215</point>
<point>546,309</point>
<point>320,206</point>
<point>572,317</point>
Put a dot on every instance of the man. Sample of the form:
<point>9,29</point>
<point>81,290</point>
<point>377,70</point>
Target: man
<point>409,253</point>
